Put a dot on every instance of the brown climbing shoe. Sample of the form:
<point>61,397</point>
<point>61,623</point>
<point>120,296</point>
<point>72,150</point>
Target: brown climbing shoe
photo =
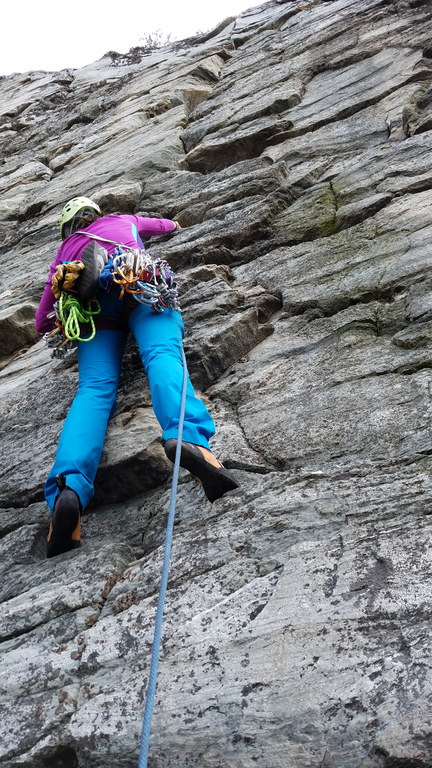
<point>64,530</point>
<point>215,479</point>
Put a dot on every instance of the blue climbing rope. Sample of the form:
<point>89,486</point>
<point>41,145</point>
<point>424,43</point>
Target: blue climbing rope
<point>154,661</point>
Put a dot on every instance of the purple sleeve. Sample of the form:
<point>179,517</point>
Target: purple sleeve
<point>44,324</point>
<point>148,227</point>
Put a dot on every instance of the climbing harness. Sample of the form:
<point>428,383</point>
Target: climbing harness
<point>157,637</point>
<point>149,281</point>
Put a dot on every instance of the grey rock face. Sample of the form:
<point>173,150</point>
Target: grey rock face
<point>293,144</point>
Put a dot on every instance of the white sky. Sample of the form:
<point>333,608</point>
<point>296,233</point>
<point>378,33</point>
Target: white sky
<point>56,34</point>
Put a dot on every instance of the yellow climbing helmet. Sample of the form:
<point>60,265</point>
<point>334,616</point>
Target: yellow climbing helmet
<point>73,207</point>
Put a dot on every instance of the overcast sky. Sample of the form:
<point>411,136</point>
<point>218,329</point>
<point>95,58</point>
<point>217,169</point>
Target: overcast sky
<point>55,34</point>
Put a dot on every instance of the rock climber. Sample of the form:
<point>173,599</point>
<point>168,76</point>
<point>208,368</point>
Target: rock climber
<point>69,486</point>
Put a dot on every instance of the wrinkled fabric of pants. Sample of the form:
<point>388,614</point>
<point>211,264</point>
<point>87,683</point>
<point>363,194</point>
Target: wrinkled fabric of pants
<point>159,338</point>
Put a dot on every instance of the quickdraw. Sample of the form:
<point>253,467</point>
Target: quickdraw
<point>148,281</point>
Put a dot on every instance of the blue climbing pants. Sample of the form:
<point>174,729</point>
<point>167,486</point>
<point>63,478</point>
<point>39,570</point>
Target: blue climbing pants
<point>159,338</point>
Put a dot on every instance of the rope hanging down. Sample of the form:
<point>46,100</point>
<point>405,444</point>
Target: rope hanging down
<point>154,662</point>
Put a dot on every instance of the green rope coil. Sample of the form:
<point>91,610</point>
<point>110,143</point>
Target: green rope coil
<point>72,312</point>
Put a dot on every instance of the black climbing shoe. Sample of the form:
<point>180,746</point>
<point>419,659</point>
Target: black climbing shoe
<point>94,258</point>
<point>64,530</point>
<point>204,466</point>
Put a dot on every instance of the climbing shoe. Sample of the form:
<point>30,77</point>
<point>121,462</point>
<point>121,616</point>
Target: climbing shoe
<point>64,530</point>
<point>94,258</point>
<point>204,466</point>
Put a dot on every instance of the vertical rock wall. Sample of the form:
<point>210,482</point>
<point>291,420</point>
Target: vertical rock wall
<point>294,145</point>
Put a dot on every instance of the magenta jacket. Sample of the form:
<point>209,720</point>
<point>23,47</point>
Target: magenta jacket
<point>125,229</point>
